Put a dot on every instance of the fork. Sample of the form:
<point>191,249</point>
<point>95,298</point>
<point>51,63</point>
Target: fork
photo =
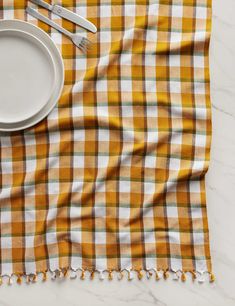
<point>80,41</point>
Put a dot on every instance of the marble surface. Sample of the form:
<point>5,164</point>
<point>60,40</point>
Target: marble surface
<point>221,211</point>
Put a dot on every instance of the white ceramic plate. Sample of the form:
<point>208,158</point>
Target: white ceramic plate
<point>31,75</point>
<point>27,76</point>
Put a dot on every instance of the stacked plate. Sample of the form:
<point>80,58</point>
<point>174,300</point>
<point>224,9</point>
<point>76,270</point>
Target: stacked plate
<point>31,75</point>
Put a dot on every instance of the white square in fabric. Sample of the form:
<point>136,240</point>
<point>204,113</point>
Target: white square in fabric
<point>195,186</point>
<point>103,135</point>
<point>56,37</point>
<point>175,37</point>
<point>130,10</point>
<point>199,88</point>
<point>103,161</point>
<point>126,85</point>
<point>148,212</point>
<point>82,64</point>
<point>174,237</point>
<point>149,237</point>
<point>177,10</point>
<point>198,165</point>
<point>76,236</point>
<point>127,111</point>
<point>6,243</point>
<point>152,35</point>
<point>149,187</point>
<point>105,10</point>
<point>5,216</point>
<point>30,215</point>
<point>172,211</point>
<point>198,238</point>
<point>196,212</point>
<point>201,113</point>
<point>124,212</point>
<point>150,161</point>
<point>175,60</point>
<point>52,213</point>
<point>100,186</point>
<point>100,237</point>
<point>81,10</point>
<point>31,165</point>
<point>150,60</point>
<point>30,241</point>
<point>101,85</point>
<point>78,111</point>
<point>54,188</point>
<point>77,186</point>
<point>103,111</point>
<point>104,60</point>
<point>175,164</point>
<point>201,12</point>
<point>78,161</point>
<point>105,36</point>
<point>124,237</point>
<point>7,168</point>
<point>151,86</point>
<point>200,140</point>
<point>126,59</point>
<point>152,136</point>
<point>199,61</point>
<point>53,115</point>
<point>79,135</point>
<point>51,238</point>
<point>75,212</point>
<point>100,212</point>
<point>175,87</point>
<point>125,186</point>
<point>176,138</point>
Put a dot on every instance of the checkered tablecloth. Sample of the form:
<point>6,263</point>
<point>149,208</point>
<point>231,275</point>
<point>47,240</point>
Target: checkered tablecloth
<point>114,178</point>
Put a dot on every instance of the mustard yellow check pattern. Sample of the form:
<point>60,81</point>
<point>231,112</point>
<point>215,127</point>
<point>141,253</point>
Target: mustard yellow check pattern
<point>114,178</point>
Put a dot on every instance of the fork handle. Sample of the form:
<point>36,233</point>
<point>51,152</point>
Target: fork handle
<point>46,20</point>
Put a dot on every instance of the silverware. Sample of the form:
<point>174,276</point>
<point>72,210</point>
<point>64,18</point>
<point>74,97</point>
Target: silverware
<point>80,41</point>
<point>67,14</point>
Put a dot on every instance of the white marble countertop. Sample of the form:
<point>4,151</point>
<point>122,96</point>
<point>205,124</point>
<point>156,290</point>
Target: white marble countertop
<point>221,211</point>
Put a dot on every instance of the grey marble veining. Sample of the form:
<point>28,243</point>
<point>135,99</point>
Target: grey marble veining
<point>221,211</point>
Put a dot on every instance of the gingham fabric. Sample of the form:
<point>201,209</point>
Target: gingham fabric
<point>114,178</point>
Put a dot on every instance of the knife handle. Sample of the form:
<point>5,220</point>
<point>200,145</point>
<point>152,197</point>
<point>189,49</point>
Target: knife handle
<point>46,20</point>
<point>57,10</point>
<point>73,17</point>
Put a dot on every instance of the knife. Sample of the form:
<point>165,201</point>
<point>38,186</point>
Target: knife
<point>67,14</point>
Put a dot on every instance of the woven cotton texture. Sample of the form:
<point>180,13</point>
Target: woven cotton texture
<point>114,178</point>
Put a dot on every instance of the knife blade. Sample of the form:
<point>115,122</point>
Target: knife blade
<point>67,14</point>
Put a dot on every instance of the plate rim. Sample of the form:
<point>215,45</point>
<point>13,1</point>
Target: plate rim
<point>60,75</point>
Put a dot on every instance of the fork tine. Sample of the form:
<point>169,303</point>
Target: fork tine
<point>84,43</point>
<point>88,47</point>
<point>81,42</point>
<point>87,43</point>
<point>83,48</point>
<point>86,40</point>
